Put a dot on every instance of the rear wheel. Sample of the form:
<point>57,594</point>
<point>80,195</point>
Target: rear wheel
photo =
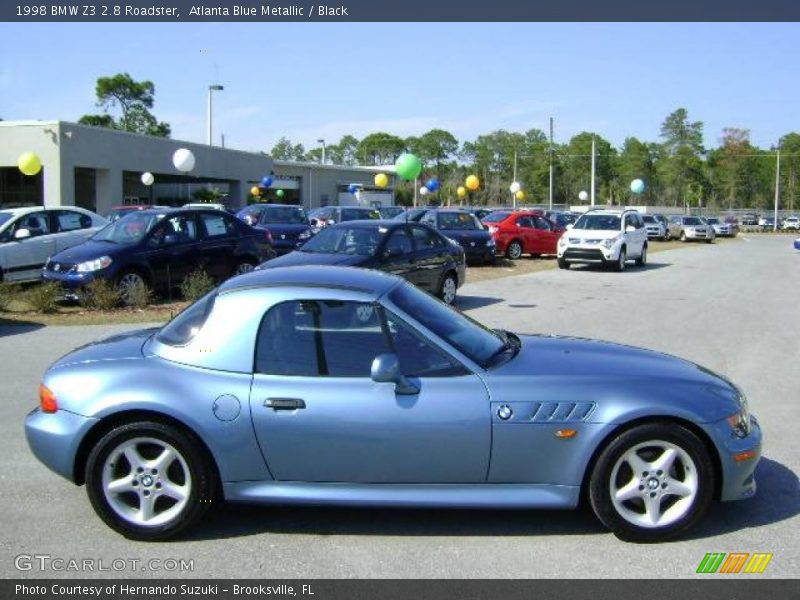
<point>642,260</point>
<point>710,241</point>
<point>447,289</point>
<point>563,264</point>
<point>514,250</point>
<point>652,483</point>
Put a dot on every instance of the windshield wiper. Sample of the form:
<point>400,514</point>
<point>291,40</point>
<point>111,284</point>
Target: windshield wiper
<point>510,342</point>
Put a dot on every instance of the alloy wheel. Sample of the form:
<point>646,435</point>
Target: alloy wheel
<point>449,290</point>
<point>514,250</point>
<point>244,267</point>
<point>127,283</point>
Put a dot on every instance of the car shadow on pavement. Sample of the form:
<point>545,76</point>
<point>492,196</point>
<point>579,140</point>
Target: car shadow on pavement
<point>470,302</point>
<point>9,327</point>
<point>777,499</point>
<point>650,266</point>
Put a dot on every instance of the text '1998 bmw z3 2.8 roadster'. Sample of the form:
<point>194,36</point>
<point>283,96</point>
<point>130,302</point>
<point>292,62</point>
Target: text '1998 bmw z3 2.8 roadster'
<point>342,386</point>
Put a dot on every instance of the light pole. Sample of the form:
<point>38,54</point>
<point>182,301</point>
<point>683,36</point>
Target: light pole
<point>321,141</point>
<point>211,89</point>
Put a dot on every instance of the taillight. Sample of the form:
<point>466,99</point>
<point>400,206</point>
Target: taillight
<point>47,399</point>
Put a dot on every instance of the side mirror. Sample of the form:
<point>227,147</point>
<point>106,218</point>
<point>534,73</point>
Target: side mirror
<point>386,369</point>
<point>570,226</point>
<point>22,234</point>
<point>630,229</point>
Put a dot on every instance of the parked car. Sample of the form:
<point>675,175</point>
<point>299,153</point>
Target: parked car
<point>390,212</point>
<point>768,223</point>
<point>328,215</point>
<point>120,211</point>
<point>29,236</point>
<point>522,232</point>
<point>721,228</point>
<point>792,222</point>
<point>604,237</point>
<point>205,205</point>
<point>750,219</point>
<point>664,221</point>
<point>480,212</point>
<point>339,386</point>
<point>733,222</point>
<point>288,225</point>
<point>688,229</point>
<point>414,251</point>
<point>159,249</point>
<point>411,214</point>
<point>656,230</point>
<point>465,229</point>
<point>561,218</point>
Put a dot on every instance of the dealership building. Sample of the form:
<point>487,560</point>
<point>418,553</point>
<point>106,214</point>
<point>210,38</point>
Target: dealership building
<point>97,168</point>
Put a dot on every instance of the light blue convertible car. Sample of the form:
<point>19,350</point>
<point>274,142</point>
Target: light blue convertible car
<point>341,386</point>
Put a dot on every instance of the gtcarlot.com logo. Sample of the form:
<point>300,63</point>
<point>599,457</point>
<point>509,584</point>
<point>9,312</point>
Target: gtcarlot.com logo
<point>46,562</point>
<point>734,563</point>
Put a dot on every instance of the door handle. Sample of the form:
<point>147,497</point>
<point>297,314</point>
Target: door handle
<point>284,403</point>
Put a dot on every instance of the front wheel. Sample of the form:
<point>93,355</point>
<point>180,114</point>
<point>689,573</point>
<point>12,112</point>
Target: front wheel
<point>642,260</point>
<point>652,483</point>
<point>244,266</point>
<point>447,290</point>
<point>149,481</point>
<point>683,236</point>
<point>620,264</point>
<point>563,264</point>
<point>130,285</point>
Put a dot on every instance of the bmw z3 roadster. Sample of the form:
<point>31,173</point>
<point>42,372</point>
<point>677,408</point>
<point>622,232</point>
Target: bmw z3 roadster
<point>342,386</point>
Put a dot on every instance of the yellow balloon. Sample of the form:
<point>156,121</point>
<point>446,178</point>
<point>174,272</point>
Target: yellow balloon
<point>29,163</point>
<point>461,191</point>
<point>381,180</point>
<point>473,183</point>
<point>254,191</point>
<point>520,195</point>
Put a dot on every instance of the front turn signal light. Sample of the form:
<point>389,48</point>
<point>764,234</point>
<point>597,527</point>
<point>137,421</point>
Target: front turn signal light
<point>47,399</point>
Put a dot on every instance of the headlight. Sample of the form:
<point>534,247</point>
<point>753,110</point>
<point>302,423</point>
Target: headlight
<point>740,423</point>
<point>490,242</point>
<point>304,235</point>
<point>562,241</point>
<point>610,242</point>
<point>93,265</point>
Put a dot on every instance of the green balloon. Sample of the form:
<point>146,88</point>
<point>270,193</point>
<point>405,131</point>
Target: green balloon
<point>279,193</point>
<point>408,166</point>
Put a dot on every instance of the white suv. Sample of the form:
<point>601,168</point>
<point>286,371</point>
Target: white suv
<point>604,237</point>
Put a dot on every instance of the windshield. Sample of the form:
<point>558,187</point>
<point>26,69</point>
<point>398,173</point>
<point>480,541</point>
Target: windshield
<point>649,219</point>
<point>180,330</point>
<point>496,217</point>
<point>457,221</point>
<point>358,214</point>
<point>388,212</point>
<point>129,229</point>
<point>5,216</point>
<point>692,221</point>
<point>362,241</point>
<point>284,215</point>
<point>410,215</point>
<point>712,220</point>
<point>598,222</point>
<point>470,337</point>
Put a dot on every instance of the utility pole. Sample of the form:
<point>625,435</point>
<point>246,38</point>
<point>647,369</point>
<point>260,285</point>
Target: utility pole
<point>514,178</point>
<point>592,177</point>
<point>777,188</point>
<point>211,90</point>
<point>551,164</point>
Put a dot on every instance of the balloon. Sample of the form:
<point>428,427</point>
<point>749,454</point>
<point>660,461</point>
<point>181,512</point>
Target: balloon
<point>147,178</point>
<point>408,166</point>
<point>432,185</point>
<point>423,191</point>
<point>473,183</point>
<point>255,191</point>
<point>461,191</point>
<point>352,188</point>
<point>29,163</point>
<point>266,181</point>
<point>519,195</point>
<point>381,180</point>
<point>583,196</point>
<point>280,193</point>
<point>637,186</point>
<point>183,160</point>
<point>515,187</point>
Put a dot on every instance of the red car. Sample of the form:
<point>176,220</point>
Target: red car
<point>522,232</point>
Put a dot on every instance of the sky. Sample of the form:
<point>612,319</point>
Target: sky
<point>310,81</point>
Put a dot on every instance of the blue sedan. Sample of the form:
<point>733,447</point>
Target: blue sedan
<point>343,386</point>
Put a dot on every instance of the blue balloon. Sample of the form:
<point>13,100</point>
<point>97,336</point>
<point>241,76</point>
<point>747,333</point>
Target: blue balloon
<point>432,185</point>
<point>352,188</point>
<point>266,181</point>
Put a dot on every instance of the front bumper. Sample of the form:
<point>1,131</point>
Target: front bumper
<point>54,438</point>
<point>589,253</point>
<point>738,477</point>
<point>71,280</point>
<point>703,234</point>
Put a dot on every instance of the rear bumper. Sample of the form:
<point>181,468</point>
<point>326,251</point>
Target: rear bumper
<point>54,438</point>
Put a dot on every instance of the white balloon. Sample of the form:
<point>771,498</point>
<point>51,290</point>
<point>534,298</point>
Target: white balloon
<point>147,178</point>
<point>183,159</point>
<point>423,191</point>
<point>515,187</point>
<point>583,196</point>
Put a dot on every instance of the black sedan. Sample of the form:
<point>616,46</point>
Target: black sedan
<point>463,228</point>
<point>416,252</point>
<point>159,248</point>
<point>289,225</point>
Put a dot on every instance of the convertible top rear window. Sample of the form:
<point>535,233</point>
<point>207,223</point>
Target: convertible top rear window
<point>182,329</point>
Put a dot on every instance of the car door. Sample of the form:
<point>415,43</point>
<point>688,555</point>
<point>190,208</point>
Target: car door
<point>70,228</point>
<point>319,417</point>
<point>431,257</point>
<point>546,236</point>
<point>25,257</point>
<point>217,248</point>
<point>172,249</point>
<point>526,233</point>
<point>397,255</point>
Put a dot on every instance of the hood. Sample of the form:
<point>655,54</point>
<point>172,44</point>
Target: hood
<point>124,346</point>
<point>592,234</point>
<point>317,258</point>
<point>88,250</point>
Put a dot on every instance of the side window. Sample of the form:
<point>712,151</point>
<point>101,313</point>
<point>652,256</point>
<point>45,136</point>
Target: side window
<point>525,222</point>
<point>68,220</point>
<point>37,223</point>
<point>675,220</point>
<point>217,225</point>
<point>398,243</point>
<point>417,357</point>
<point>542,224</point>
<point>319,338</point>
<point>425,239</point>
<point>175,230</point>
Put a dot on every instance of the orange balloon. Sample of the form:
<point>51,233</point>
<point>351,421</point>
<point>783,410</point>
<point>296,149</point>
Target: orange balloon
<point>473,183</point>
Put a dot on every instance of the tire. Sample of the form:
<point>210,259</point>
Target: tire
<point>563,264</point>
<point>127,279</point>
<point>514,250</point>
<point>448,287</point>
<point>188,475</point>
<point>709,241</point>
<point>619,266</point>
<point>665,502</point>
<point>245,265</point>
<point>642,260</point>
<point>683,236</point>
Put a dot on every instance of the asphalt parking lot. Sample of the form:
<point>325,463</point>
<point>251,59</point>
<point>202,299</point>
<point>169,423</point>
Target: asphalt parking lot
<point>730,307</point>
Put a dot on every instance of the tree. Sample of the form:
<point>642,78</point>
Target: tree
<point>681,165</point>
<point>380,148</point>
<point>285,150</point>
<point>576,158</point>
<point>637,161</point>
<point>132,100</point>
<point>345,152</point>
<point>790,168</point>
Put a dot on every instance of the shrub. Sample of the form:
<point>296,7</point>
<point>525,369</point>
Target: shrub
<point>100,294</point>
<point>196,285</point>
<point>43,297</point>
<point>8,292</point>
<point>139,295</point>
